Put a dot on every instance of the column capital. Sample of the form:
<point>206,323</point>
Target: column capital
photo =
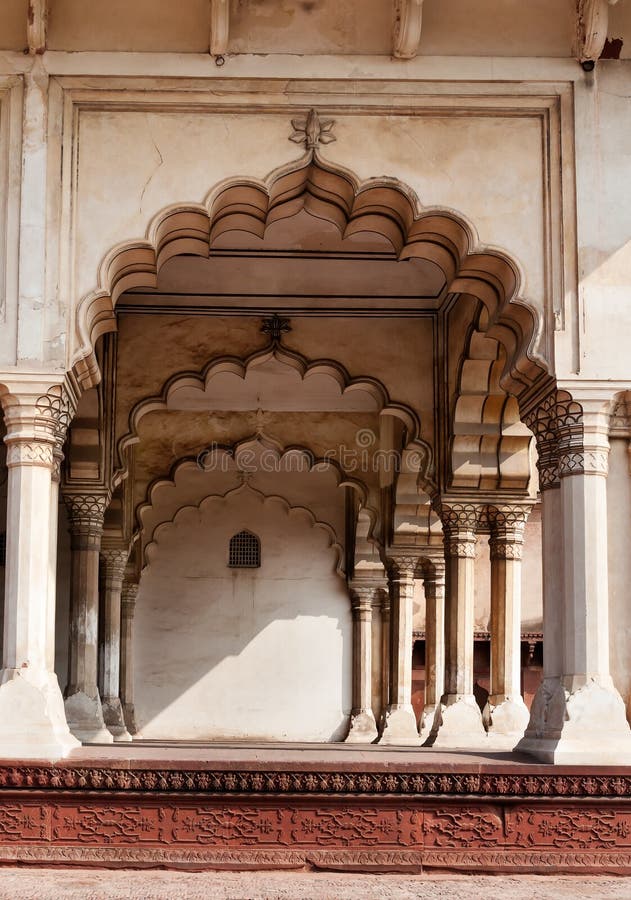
<point>128,598</point>
<point>364,592</point>
<point>114,561</point>
<point>460,523</point>
<point>86,512</point>
<point>402,565</point>
<point>37,415</point>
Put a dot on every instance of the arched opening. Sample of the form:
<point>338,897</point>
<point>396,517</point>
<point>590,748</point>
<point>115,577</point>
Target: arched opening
<point>323,344</point>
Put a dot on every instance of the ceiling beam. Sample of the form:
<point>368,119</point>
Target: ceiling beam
<point>219,26</point>
<point>37,26</point>
<point>408,20</point>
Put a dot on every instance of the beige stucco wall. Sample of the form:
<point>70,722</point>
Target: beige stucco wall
<point>261,654</point>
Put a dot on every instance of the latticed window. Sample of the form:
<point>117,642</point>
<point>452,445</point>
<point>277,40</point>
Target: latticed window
<point>245,551</point>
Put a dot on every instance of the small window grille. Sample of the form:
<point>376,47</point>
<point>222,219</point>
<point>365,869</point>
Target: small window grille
<point>3,549</point>
<point>245,551</point>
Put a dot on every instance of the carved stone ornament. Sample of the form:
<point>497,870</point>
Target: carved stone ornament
<point>86,512</point>
<point>219,26</point>
<point>407,28</point>
<point>275,327</point>
<point>129,594</point>
<point>592,21</point>
<point>312,130</point>
<point>114,562</point>
<point>30,453</point>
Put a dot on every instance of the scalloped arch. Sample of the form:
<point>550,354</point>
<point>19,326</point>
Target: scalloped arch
<point>238,366</point>
<point>217,499</point>
<point>490,445</point>
<point>312,462</point>
<point>382,205</point>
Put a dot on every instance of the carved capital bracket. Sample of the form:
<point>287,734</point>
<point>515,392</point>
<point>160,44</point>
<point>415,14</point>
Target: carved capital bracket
<point>37,419</point>
<point>366,593</point>
<point>128,598</point>
<point>508,524</point>
<point>408,22</point>
<point>114,563</point>
<point>592,21</point>
<point>86,512</point>
<point>37,26</point>
<point>219,27</point>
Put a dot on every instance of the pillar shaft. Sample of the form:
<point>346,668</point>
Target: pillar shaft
<point>32,720</point>
<point>83,701</point>
<point>434,583</point>
<point>571,713</point>
<point>435,635</point>
<point>506,711</point>
<point>400,725</point>
<point>385,652</point>
<point>113,562</point>
<point>461,721</point>
<point>128,609</point>
<point>363,728</point>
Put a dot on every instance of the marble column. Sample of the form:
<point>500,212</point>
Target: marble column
<point>506,713</point>
<point>83,702</point>
<point>128,609</point>
<point>32,718</point>
<point>400,726</point>
<point>385,654</point>
<point>461,718</point>
<point>113,563</point>
<point>546,711</point>
<point>586,723</point>
<point>434,583</point>
<point>363,728</point>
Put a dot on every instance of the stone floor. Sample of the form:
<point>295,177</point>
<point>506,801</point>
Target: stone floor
<point>50,884</point>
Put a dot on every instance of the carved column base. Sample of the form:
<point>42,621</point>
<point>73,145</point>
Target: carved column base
<point>506,717</point>
<point>129,714</point>
<point>114,719</point>
<point>85,719</point>
<point>585,727</point>
<point>363,728</point>
<point>461,723</point>
<point>430,722</point>
<point>400,727</point>
<point>32,719</point>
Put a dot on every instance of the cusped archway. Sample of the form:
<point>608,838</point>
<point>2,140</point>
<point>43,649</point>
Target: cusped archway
<point>378,206</point>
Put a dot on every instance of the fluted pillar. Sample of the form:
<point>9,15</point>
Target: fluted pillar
<point>83,701</point>
<point>363,728</point>
<point>506,713</point>
<point>113,563</point>
<point>461,719</point>
<point>128,610</point>
<point>32,718</point>
<point>434,583</point>
<point>400,726</point>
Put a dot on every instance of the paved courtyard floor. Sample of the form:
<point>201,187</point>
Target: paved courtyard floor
<point>50,884</point>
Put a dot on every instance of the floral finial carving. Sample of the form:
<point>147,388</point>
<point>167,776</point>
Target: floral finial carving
<point>275,327</point>
<point>312,130</point>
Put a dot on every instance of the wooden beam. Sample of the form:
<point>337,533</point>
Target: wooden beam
<point>407,28</point>
<point>219,26</point>
<point>37,26</point>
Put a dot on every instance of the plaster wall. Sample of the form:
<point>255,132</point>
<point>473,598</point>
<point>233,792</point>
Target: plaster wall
<point>261,654</point>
